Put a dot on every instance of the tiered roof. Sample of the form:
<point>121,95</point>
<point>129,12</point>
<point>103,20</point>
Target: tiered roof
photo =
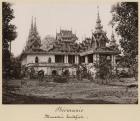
<point>98,40</point>
<point>34,41</point>
<point>66,42</point>
<point>98,27</point>
<point>97,44</point>
<point>66,35</point>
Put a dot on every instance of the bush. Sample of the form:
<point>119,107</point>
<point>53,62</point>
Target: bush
<point>124,74</point>
<point>60,79</point>
<point>66,73</point>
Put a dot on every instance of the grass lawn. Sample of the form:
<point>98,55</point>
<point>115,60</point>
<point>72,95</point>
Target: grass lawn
<point>72,92</point>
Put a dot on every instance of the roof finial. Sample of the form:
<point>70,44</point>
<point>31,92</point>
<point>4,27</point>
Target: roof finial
<point>33,34</point>
<point>98,16</point>
<point>98,10</point>
<point>98,26</point>
<point>35,28</point>
<point>32,24</point>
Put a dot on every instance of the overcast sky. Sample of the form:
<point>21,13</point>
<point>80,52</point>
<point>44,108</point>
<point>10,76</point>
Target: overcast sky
<point>79,17</point>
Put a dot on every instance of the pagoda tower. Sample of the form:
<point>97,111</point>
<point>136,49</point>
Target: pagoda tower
<point>34,41</point>
<point>98,27</point>
<point>99,36</point>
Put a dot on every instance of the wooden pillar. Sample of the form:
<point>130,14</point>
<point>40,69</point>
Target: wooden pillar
<point>86,59</point>
<point>113,63</point>
<point>66,59</point>
<point>94,58</point>
<point>76,59</point>
<point>112,60</point>
<point>98,57</point>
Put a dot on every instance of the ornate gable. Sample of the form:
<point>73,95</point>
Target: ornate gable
<point>99,36</point>
<point>65,42</point>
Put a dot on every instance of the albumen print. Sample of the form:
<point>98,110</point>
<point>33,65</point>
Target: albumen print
<point>59,53</point>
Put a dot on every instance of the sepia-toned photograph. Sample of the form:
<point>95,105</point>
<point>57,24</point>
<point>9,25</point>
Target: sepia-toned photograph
<point>70,53</point>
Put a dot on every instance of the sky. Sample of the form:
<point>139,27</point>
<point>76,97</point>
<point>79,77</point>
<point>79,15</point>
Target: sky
<point>50,17</point>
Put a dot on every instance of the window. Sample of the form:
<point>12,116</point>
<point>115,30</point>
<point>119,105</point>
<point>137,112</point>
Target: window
<point>36,59</point>
<point>49,60</point>
<point>71,59</point>
<point>54,73</point>
<point>59,58</point>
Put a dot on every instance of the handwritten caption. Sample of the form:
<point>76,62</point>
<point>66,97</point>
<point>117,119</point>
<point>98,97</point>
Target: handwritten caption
<point>67,113</point>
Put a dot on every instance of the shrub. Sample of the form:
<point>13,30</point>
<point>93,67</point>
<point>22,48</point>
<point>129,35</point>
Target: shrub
<point>124,74</point>
<point>66,73</point>
<point>60,79</point>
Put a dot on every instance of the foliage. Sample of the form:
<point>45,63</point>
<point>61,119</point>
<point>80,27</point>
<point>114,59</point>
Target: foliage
<point>15,68</point>
<point>124,74</point>
<point>32,73</point>
<point>54,73</point>
<point>8,35</point>
<point>82,72</point>
<point>5,63</point>
<point>40,74</point>
<point>60,79</point>
<point>66,73</point>
<point>104,68</point>
<point>8,30</point>
<point>125,19</point>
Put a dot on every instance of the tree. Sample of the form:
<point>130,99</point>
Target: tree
<point>8,35</point>
<point>15,70</point>
<point>125,20</point>
<point>104,68</point>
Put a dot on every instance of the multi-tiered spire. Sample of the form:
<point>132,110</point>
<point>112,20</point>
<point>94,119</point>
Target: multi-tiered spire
<point>34,40</point>
<point>99,36</point>
<point>98,27</point>
<point>32,26</point>
<point>35,27</point>
<point>31,29</point>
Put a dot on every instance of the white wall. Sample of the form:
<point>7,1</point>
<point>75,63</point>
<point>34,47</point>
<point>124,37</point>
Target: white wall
<point>42,58</point>
<point>24,61</point>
